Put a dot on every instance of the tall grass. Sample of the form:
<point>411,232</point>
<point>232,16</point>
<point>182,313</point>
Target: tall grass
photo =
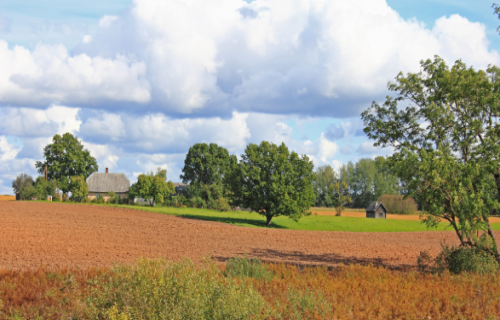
<point>159,289</point>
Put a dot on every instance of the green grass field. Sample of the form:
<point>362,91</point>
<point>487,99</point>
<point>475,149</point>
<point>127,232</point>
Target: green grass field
<point>312,223</point>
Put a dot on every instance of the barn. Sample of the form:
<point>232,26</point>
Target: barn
<point>376,210</point>
<point>100,183</point>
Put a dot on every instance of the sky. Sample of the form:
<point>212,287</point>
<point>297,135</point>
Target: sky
<point>139,82</point>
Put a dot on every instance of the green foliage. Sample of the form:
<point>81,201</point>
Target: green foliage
<point>99,199</point>
<point>198,202</point>
<point>66,157</point>
<point>272,181</point>
<point>340,195</point>
<point>157,289</point>
<point>113,197</point>
<point>79,188</point>
<point>45,188</point>
<point>366,180</point>
<point>206,164</point>
<point>325,177</point>
<point>23,184</point>
<point>133,192</point>
<point>244,267</point>
<point>154,186</point>
<point>447,143</point>
<point>459,259</point>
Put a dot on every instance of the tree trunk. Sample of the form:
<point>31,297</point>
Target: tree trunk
<point>492,235</point>
<point>268,220</point>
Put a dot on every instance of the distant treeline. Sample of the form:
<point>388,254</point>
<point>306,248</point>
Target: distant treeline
<point>366,181</point>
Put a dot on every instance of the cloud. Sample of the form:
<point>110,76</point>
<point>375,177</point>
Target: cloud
<point>50,75</point>
<point>27,122</point>
<point>106,21</point>
<point>314,58</point>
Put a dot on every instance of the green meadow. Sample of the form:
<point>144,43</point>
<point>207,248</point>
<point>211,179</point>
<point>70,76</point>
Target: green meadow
<point>311,223</point>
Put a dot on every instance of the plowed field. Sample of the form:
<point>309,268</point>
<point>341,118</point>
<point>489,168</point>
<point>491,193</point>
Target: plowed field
<point>83,235</point>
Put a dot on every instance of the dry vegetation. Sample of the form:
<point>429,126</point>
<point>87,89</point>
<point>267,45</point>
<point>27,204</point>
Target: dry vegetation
<point>278,291</point>
<point>397,204</point>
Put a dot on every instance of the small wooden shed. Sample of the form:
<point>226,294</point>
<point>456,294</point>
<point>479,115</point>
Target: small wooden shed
<point>376,210</point>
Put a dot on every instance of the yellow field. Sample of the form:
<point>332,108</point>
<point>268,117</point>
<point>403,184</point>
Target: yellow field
<point>7,198</point>
<point>362,214</point>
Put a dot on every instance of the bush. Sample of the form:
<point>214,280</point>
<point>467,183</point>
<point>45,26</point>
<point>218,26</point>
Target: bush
<point>113,198</point>
<point>221,204</point>
<point>459,259</point>
<point>156,289</point>
<point>243,267</point>
<point>395,203</point>
<point>198,202</point>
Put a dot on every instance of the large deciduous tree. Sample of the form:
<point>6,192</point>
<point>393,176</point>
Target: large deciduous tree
<point>66,157</point>
<point>446,140</point>
<point>206,164</point>
<point>272,181</point>
<point>154,186</point>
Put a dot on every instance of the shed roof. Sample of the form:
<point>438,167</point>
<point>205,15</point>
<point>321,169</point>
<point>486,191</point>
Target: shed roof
<point>106,182</point>
<point>375,205</point>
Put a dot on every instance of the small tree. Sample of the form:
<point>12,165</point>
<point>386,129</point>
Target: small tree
<point>79,188</point>
<point>154,186</point>
<point>340,194</point>
<point>44,188</point>
<point>272,181</point>
<point>23,185</point>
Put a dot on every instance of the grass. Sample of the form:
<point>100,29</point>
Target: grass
<point>310,223</point>
<point>161,289</point>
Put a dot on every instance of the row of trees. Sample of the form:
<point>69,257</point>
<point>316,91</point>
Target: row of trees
<point>355,185</point>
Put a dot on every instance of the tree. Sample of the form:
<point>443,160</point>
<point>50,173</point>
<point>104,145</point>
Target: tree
<point>340,194</point>
<point>66,157</point>
<point>44,188</point>
<point>447,144</point>
<point>206,164</point>
<point>79,188</point>
<point>23,185</point>
<point>325,176</point>
<point>272,181</point>
<point>154,186</point>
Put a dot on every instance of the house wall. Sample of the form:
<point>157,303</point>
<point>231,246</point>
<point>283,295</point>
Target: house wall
<point>370,214</point>
<point>380,213</point>
<point>105,195</point>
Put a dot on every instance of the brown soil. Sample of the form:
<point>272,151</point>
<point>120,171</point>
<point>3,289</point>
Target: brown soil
<point>33,234</point>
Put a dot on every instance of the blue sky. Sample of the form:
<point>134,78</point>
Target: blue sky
<point>139,82</point>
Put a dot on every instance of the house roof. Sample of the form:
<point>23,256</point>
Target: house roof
<point>106,182</point>
<point>375,205</point>
<point>180,184</point>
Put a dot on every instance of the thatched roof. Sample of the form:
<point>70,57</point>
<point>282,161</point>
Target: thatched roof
<point>375,205</point>
<point>105,182</point>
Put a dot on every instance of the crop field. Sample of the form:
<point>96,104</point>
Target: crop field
<point>7,198</point>
<point>56,234</point>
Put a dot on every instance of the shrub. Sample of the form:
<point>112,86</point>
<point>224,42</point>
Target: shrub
<point>244,267</point>
<point>395,203</point>
<point>221,204</point>
<point>156,289</point>
<point>113,197</point>
<point>198,202</point>
<point>459,259</point>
